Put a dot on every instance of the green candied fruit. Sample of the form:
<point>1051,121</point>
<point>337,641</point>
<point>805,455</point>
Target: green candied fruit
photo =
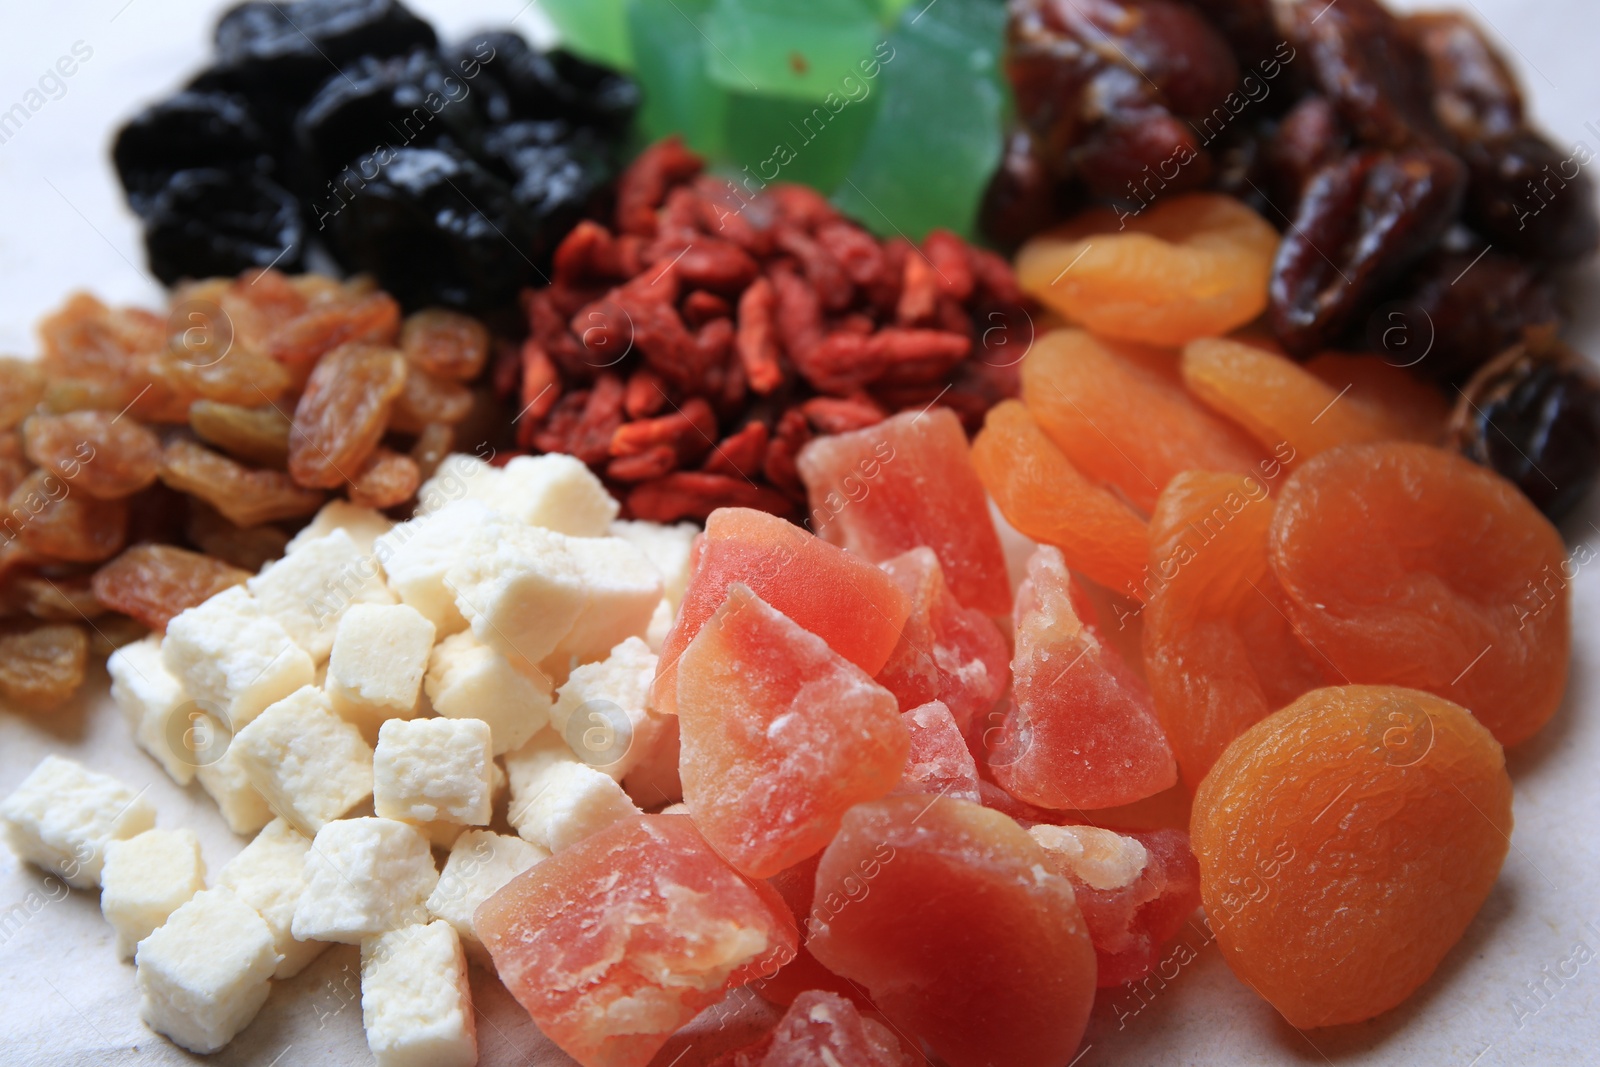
<point>811,142</point>
<point>595,29</point>
<point>670,61</point>
<point>936,138</point>
<point>789,49</point>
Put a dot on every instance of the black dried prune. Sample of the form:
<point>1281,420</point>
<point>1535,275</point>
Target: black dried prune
<point>287,40</point>
<point>187,131</point>
<point>1529,196</point>
<point>1533,415</point>
<point>434,227</point>
<point>605,98</point>
<point>1361,223</point>
<point>206,223</point>
<point>1475,95</point>
<point>529,84</point>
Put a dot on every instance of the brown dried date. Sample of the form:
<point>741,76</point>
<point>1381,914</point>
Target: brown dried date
<point>1309,138</point>
<point>153,583</point>
<point>343,413</point>
<point>107,456</point>
<point>1529,196</point>
<point>42,666</point>
<point>243,496</point>
<point>1475,95</point>
<point>257,434</point>
<point>52,519</point>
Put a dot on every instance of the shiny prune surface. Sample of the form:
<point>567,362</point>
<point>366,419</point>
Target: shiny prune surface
<point>183,132</point>
<point>209,222</point>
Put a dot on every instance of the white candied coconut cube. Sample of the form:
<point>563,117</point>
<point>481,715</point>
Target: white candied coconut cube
<point>430,770</point>
<point>233,658</point>
<point>364,525</point>
<point>310,765</point>
<point>481,861</point>
<point>556,800</point>
<point>147,878</point>
<point>467,679</point>
<point>661,620</point>
<point>155,705</point>
<point>416,1004</point>
<point>269,874</point>
<point>221,774</point>
<point>603,710</point>
<point>205,972</point>
<point>668,548</point>
<point>443,834</point>
<point>521,589</point>
<point>458,477</point>
<point>380,654</point>
<point>555,491</point>
<point>623,590</point>
<point>309,590</point>
<point>416,556</point>
<point>363,877</point>
<point>63,815</point>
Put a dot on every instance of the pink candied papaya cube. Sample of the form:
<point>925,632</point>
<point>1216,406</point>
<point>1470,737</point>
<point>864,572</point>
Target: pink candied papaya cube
<point>823,1029</point>
<point>1135,891</point>
<point>780,735</point>
<point>946,652</point>
<point>844,600</point>
<point>953,919</point>
<point>940,762</point>
<point>618,941</point>
<point>909,481</point>
<point>1081,731</point>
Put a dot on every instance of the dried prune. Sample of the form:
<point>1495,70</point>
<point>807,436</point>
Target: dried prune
<point>343,413</point>
<point>385,479</point>
<point>545,85</point>
<point>101,454</point>
<point>53,520</point>
<point>260,434</point>
<point>445,343</point>
<point>153,583</point>
<point>1528,196</point>
<point>42,666</point>
<point>1360,224</point>
<point>294,43</point>
<point>184,132</point>
<point>207,221</point>
<point>1533,415</point>
<point>1475,95</point>
<point>245,497</point>
<point>553,184</point>
<point>21,389</point>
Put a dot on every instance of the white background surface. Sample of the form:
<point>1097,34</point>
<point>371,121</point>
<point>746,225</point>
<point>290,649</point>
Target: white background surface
<point>65,999</point>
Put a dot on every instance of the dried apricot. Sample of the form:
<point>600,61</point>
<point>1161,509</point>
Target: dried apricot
<point>1345,843</point>
<point>1122,417</point>
<point>343,413</point>
<point>1044,496</point>
<point>245,497</point>
<point>1190,266</point>
<point>21,389</point>
<point>153,583</point>
<point>52,520</point>
<point>96,452</point>
<point>1409,565</point>
<point>42,666</point>
<point>1412,409</point>
<point>257,434</point>
<point>445,343</point>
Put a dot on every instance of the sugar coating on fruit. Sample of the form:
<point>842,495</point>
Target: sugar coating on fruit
<point>780,735</point>
<point>824,1028</point>
<point>617,942</point>
<point>939,760</point>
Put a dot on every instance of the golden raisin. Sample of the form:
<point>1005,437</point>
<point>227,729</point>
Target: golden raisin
<point>245,497</point>
<point>152,583</point>
<point>53,520</point>
<point>386,479</point>
<point>445,343</point>
<point>257,434</point>
<point>247,547</point>
<point>432,445</point>
<point>107,456</point>
<point>428,399</point>
<point>42,666</point>
<point>61,598</point>
<point>343,413</point>
<point>21,389</point>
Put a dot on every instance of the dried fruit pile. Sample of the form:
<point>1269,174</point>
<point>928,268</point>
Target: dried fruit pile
<point>689,352</point>
<point>149,460</point>
<point>447,172</point>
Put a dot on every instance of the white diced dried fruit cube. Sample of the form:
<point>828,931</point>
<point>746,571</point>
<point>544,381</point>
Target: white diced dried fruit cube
<point>661,620</point>
<point>434,769</point>
<point>364,525</point>
<point>603,710</point>
<point>667,547</point>
<point>467,679</point>
<point>417,554</point>
<point>309,590</point>
<point>147,878</point>
<point>521,589</point>
<point>222,776</point>
<point>155,705</point>
<point>269,874</point>
<point>623,590</point>
<point>204,974</point>
<point>379,657</point>
<point>458,477</point>
<point>63,815</point>
<point>310,765</point>
<point>556,800</point>
<point>555,491</point>
<point>416,1004</point>
<point>364,876</point>
<point>233,658</point>
<point>442,834</point>
<point>1104,859</point>
<point>481,861</point>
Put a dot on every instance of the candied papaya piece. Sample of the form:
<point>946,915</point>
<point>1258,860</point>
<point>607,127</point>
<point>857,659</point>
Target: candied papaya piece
<point>1412,409</point>
<point>1135,891</point>
<point>614,943</point>
<point>939,760</point>
<point>1220,653</point>
<point>904,482</point>
<point>823,1028</point>
<point>1081,731</point>
<point>952,918</point>
<point>1276,400</point>
<point>1046,498</point>
<point>946,652</point>
<point>797,886</point>
<point>1189,266</point>
<point>852,605</point>
<point>1404,564</point>
<point>780,736</point>
<point>1121,416</point>
<point>1345,842</point>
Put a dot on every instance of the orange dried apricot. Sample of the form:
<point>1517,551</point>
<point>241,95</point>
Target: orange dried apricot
<point>1345,843</point>
<point>1123,418</point>
<point>1189,266</point>
<point>1409,565</point>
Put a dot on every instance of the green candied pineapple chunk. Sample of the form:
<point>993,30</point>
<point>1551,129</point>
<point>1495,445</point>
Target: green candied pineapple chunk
<point>595,29</point>
<point>788,49</point>
<point>813,143</point>
<point>670,62</point>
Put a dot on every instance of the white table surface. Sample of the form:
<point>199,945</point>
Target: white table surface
<point>66,999</point>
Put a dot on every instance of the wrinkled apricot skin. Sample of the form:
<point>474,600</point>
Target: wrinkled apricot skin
<point>1408,565</point>
<point>1345,844</point>
<point>1189,266</point>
